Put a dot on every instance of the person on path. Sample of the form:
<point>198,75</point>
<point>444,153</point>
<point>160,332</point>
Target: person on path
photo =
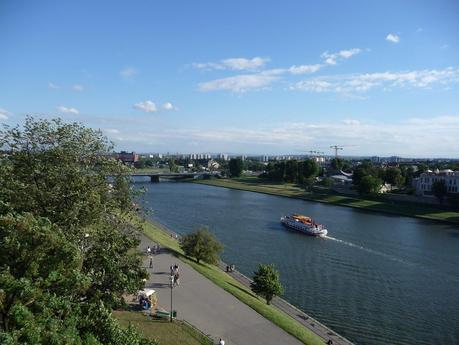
<point>148,250</point>
<point>221,342</point>
<point>177,279</point>
<point>151,262</point>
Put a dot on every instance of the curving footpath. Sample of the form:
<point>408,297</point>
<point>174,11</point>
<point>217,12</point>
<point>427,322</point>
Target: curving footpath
<point>208,307</point>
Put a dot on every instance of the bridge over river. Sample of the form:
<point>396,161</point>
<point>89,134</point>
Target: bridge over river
<point>155,176</point>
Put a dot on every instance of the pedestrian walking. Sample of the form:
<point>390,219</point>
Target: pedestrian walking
<point>151,262</point>
<point>148,250</point>
<point>177,279</point>
<point>221,342</point>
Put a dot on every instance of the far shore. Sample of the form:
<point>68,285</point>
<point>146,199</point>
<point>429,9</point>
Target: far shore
<point>254,184</point>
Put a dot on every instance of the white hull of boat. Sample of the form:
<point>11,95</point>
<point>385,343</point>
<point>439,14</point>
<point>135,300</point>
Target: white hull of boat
<point>310,230</point>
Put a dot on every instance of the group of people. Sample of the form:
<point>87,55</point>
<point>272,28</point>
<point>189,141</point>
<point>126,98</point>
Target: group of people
<point>230,268</point>
<point>156,248</point>
<point>147,302</point>
<point>175,274</point>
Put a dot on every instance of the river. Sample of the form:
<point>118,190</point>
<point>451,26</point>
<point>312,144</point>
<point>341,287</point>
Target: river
<point>376,279</point>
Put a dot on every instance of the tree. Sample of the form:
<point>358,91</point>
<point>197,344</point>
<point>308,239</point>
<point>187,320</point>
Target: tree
<point>276,171</point>
<point>59,171</point>
<point>440,190</point>
<point>266,282</point>
<point>394,177</point>
<point>364,169</point>
<point>336,163</point>
<point>369,184</point>
<point>43,289</point>
<point>310,168</point>
<point>291,171</point>
<point>59,182</point>
<point>172,166</point>
<point>202,245</point>
<point>235,167</point>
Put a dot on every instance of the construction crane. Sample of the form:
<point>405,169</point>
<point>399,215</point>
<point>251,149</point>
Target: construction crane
<point>336,148</point>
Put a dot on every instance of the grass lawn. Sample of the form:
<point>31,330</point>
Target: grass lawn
<point>255,184</point>
<point>165,332</point>
<point>226,282</point>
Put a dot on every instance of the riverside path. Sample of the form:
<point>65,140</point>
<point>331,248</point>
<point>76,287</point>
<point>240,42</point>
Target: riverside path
<point>209,308</point>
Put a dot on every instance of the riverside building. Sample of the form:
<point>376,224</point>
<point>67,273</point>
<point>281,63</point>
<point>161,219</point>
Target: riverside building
<point>423,184</point>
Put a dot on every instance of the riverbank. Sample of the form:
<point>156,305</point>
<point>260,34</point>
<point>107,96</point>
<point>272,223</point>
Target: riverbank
<point>160,235</point>
<point>254,184</point>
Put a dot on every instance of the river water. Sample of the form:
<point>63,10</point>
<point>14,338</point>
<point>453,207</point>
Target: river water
<point>376,279</point>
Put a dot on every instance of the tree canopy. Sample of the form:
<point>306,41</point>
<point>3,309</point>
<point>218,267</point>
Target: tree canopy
<point>236,165</point>
<point>266,282</point>
<point>369,185</point>
<point>202,245</point>
<point>439,189</point>
<point>67,254</point>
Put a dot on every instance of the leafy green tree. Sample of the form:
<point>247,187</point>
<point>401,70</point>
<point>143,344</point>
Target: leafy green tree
<point>235,167</point>
<point>369,185</point>
<point>74,199</point>
<point>408,174</point>
<point>140,164</point>
<point>310,168</point>
<point>202,245</point>
<point>43,289</point>
<point>266,282</point>
<point>172,166</point>
<point>39,274</point>
<point>337,163</point>
<point>440,190</point>
<point>59,171</point>
<point>394,177</point>
<point>364,169</point>
<point>291,171</point>
<point>276,171</point>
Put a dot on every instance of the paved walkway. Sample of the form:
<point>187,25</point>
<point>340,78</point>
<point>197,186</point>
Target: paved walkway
<point>210,308</point>
<point>313,325</point>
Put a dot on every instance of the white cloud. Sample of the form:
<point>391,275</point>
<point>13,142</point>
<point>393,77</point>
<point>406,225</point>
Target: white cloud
<point>240,83</point>
<point>112,131</point>
<point>393,38</point>
<point>304,69</point>
<point>235,64</point>
<point>78,88</point>
<point>358,83</point>
<point>351,122</point>
<point>168,106</point>
<point>66,110</point>
<point>4,114</point>
<point>333,58</point>
<point>147,106</point>
<point>128,72</point>
<point>414,137</point>
<point>53,86</point>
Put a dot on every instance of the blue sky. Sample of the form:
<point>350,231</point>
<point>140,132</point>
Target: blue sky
<point>381,78</point>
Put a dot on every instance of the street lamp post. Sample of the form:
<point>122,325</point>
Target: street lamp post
<point>171,281</point>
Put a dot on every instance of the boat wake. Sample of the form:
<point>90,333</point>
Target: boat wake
<point>428,270</point>
<point>368,250</point>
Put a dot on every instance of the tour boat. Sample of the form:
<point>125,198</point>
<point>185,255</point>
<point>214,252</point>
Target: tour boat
<point>304,224</point>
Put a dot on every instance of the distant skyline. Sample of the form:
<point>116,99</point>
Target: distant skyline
<point>380,78</point>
